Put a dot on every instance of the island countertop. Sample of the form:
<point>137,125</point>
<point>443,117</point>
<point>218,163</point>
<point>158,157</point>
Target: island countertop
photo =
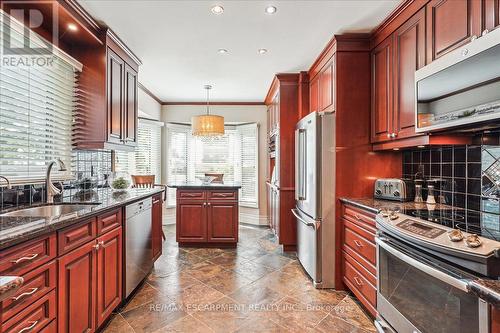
<point>198,185</point>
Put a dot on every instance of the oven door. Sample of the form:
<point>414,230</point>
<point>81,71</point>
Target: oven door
<point>416,293</point>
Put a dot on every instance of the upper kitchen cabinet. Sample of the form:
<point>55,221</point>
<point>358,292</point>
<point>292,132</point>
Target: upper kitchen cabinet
<point>491,14</point>
<point>321,90</point>
<point>451,24</point>
<point>107,117</point>
<point>382,83</point>
<point>409,56</point>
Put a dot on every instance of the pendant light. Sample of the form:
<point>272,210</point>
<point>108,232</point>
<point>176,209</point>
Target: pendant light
<point>207,124</point>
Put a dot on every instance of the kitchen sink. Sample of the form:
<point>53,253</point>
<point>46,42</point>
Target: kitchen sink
<point>49,210</point>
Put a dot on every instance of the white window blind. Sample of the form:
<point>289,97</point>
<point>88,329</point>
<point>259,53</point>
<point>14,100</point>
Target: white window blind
<point>37,104</point>
<point>146,159</point>
<point>235,155</point>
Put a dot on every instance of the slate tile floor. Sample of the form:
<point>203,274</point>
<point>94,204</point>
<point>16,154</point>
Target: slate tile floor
<point>253,288</point>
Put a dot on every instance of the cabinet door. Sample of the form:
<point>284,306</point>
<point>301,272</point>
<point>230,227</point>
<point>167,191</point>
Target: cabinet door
<point>130,110</point>
<point>191,222</point>
<point>157,226</point>
<point>77,290</point>
<point>326,88</point>
<point>491,14</point>
<point>382,91</point>
<point>109,273</point>
<point>409,56</point>
<point>451,24</point>
<point>314,95</point>
<point>222,222</point>
<point>115,82</point>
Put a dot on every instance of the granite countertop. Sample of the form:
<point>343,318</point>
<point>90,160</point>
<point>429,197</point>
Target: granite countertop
<point>376,205</point>
<point>16,229</point>
<point>489,290</point>
<point>9,285</point>
<point>199,185</point>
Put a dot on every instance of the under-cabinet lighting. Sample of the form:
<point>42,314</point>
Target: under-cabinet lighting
<point>72,27</point>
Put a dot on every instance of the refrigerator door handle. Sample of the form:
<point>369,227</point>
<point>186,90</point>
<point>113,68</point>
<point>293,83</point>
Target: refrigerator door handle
<point>309,224</point>
<point>300,164</point>
<point>297,165</point>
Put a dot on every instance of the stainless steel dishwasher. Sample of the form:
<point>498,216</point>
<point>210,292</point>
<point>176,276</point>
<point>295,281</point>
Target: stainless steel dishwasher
<point>138,244</point>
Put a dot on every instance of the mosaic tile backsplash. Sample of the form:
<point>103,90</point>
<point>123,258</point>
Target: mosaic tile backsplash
<point>91,168</point>
<point>464,176</point>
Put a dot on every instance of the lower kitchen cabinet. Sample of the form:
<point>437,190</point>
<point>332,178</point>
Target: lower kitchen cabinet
<point>77,290</point>
<point>205,217</point>
<point>109,274</point>
<point>157,231</point>
<point>359,271</point>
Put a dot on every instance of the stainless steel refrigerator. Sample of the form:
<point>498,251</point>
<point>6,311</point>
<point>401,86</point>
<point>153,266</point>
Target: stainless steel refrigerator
<point>315,196</point>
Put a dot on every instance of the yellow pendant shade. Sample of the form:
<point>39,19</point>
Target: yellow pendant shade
<point>207,125</point>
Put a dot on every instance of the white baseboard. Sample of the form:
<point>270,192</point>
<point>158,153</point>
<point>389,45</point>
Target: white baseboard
<point>245,217</point>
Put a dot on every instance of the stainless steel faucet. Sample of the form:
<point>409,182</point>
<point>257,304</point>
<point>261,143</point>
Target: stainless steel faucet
<point>8,182</point>
<point>51,189</point>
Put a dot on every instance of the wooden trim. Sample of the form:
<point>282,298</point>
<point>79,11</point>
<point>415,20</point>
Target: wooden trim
<point>272,91</point>
<point>400,15</point>
<point>280,79</point>
<point>78,9</point>
<point>114,37</point>
<point>213,103</point>
<point>424,140</point>
<point>148,92</point>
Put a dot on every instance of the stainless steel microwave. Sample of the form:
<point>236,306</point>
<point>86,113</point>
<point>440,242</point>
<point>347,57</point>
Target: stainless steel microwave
<point>462,88</point>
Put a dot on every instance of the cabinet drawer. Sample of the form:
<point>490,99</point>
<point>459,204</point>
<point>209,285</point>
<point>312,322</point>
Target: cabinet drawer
<point>24,257</point>
<point>109,221</point>
<point>360,217</point>
<point>358,283</point>
<point>361,245</point>
<point>34,318</point>
<point>191,195</point>
<point>74,236</point>
<point>36,284</point>
<point>222,195</point>
<point>50,328</point>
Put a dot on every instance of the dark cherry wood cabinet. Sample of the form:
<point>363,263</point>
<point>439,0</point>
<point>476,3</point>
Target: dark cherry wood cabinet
<point>77,290</point>
<point>109,274</point>
<point>451,24</point>
<point>314,95</point>
<point>157,237</point>
<point>409,56</point>
<point>207,217</point>
<point>221,218</point>
<point>326,88</point>
<point>382,91</point>
<point>107,116</point>
<point>491,14</point>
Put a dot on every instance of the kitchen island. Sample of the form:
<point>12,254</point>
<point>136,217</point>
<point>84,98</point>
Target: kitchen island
<point>207,214</point>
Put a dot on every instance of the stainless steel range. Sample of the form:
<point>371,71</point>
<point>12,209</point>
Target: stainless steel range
<point>423,269</point>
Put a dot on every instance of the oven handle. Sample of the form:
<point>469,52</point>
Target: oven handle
<point>446,278</point>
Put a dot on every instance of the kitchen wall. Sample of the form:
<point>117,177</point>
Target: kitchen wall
<point>231,113</point>
<point>468,176</point>
<point>148,106</point>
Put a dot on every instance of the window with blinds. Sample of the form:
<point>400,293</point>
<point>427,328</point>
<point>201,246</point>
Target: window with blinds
<point>146,158</point>
<point>37,104</point>
<point>235,155</point>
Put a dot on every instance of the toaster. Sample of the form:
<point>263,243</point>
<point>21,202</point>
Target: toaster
<point>396,189</point>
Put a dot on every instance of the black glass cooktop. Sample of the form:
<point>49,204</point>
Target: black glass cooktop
<point>465,220</point>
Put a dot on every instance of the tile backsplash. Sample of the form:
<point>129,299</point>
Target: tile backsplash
<point>91,169</point>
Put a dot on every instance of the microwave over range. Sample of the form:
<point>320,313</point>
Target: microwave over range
<point>462,88</point>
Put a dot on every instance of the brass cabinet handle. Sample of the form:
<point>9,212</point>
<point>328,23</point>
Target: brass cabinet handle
<point>29,328</point>
<point>96,247</point>
<point>27,258</point>
<point>358,281</point>
<point>358,243</point>
<point>28,293</point>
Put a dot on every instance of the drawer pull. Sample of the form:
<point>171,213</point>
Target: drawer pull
<point>358,243</point>
<point>190,195</point>
<point>223,195</point>
<point>29,328</point>
<point>357,217</point>
<point>28,293</point>
<point>358,281</point>
<point>31,257</point>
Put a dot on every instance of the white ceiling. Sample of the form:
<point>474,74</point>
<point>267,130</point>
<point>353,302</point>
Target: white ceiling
<point>177,41</point>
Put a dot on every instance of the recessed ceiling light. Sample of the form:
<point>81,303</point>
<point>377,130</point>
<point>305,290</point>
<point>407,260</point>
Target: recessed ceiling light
<point>217,10</point>
<point>72,27</point>
<point>271,9</point>
<point>222,51</point>
<point>262,51</point>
